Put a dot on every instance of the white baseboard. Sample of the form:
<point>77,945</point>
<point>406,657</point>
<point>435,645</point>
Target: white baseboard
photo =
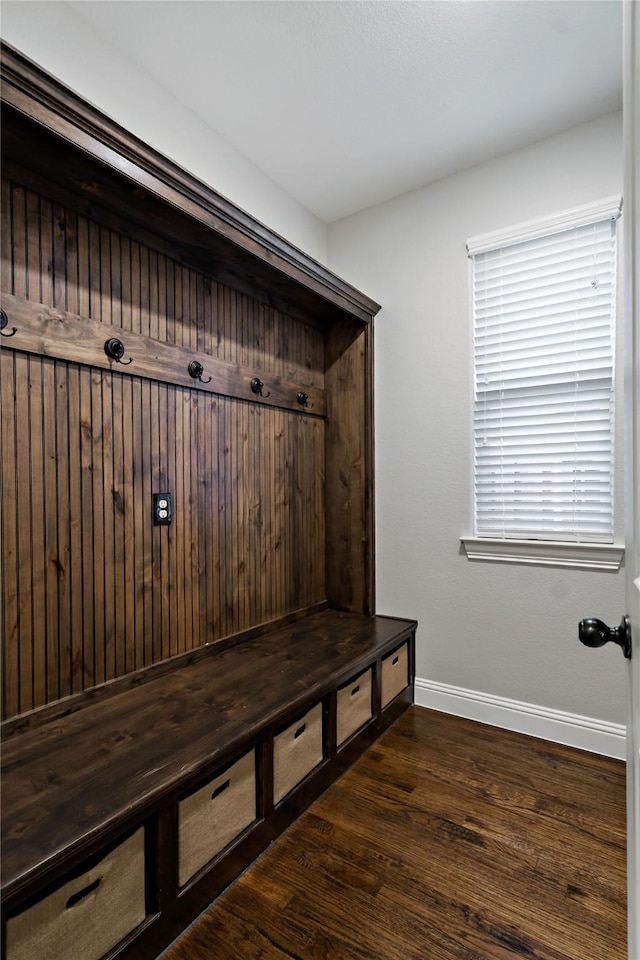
<point>585,733</point>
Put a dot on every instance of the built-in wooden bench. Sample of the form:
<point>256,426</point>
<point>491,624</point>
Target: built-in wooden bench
<point>176,688</point>
<point>317,691</point>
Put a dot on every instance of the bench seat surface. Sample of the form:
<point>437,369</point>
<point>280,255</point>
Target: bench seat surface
<point>73,777</point>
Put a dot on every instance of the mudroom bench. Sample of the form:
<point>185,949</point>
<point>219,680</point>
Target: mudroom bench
<point>188,623</point>
<point>127,814</point>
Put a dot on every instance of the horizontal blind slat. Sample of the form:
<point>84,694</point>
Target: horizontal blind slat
<point>543,348</point>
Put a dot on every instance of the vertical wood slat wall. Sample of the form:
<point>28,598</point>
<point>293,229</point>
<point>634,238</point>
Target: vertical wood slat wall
<point>92,590</point>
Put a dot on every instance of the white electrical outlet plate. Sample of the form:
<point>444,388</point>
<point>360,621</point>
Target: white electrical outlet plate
<point>162,509</point>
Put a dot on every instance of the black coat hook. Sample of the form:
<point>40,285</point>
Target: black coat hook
<point>257,385</point>
<point>196,370</point>
<point>4,322</point>
<point>114,349</point>
<point>303,399</point>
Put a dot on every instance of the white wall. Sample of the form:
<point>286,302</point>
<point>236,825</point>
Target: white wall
<point>65,45</point>
<point>509,631</point>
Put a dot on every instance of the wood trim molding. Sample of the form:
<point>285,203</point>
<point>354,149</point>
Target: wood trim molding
<point>48,332</point>
<point>369,499</point>
<point>38,95</point>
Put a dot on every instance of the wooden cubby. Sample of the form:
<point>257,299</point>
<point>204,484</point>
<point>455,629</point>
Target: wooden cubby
<point>143,661</point>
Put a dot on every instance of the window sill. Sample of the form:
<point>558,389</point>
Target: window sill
<point>546,553</point>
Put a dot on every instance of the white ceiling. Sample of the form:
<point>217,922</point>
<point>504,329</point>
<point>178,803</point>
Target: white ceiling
<point>346,104</point>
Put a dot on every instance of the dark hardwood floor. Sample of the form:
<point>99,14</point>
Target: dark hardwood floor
<point>448,840</point>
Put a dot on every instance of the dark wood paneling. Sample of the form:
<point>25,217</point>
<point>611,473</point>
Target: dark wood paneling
<point>349,465</point>
<point>271,504</point>
<point>48,331</point>
<point>150,601</point>
<point>92,589</point>
<point>102,275</point>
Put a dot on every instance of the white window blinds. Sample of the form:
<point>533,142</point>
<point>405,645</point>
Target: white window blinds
<point>543,412</point>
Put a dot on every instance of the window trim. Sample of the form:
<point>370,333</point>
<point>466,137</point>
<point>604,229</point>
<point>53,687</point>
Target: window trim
<point>610,207</point>
<point>546,553</point>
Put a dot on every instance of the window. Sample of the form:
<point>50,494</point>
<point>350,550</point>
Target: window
<point>544,308</point>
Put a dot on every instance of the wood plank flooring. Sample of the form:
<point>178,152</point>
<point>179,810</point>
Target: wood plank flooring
<point>448,840</point>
